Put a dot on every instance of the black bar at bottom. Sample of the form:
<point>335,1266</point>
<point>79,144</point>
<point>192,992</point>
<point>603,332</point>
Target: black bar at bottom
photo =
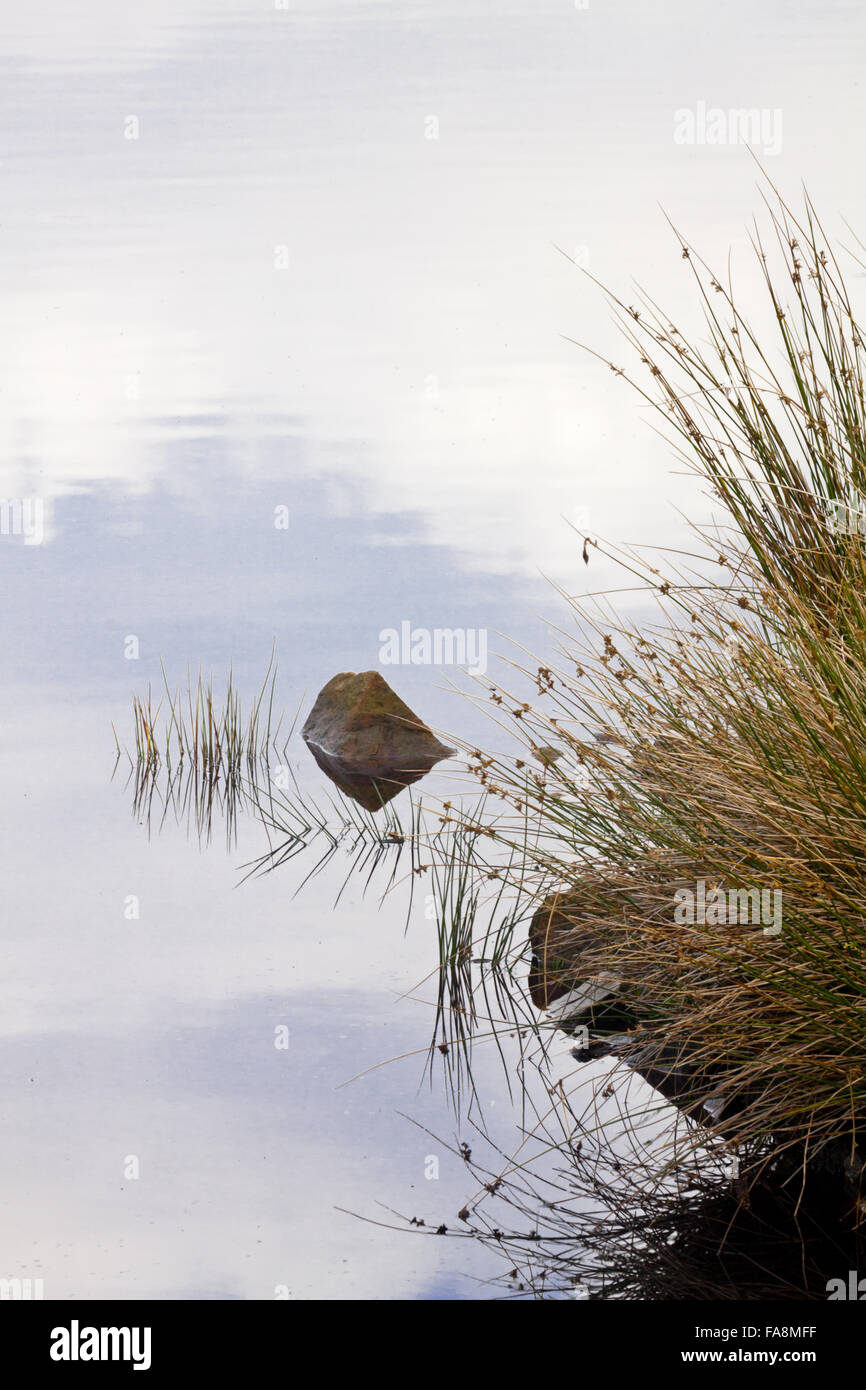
<point>222,1338</point>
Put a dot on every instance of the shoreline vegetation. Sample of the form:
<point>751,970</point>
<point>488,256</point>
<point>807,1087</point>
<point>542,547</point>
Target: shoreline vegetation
<point>666,859</point>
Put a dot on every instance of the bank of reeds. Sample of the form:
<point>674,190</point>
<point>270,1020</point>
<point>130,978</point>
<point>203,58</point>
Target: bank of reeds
<point>730,720</point>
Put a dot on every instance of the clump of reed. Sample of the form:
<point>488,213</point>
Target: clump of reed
<point>195,754</point>
<point>731,727</point>
<point>203,729</point>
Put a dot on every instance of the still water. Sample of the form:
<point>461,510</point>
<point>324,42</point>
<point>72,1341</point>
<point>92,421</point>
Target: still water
<point>307,259</point>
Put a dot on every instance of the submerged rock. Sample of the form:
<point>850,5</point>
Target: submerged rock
<point>570,993</point>
<point>367,740</point>
<point>555,971</point>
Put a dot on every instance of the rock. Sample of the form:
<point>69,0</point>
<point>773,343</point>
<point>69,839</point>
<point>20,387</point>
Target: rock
<point>614,1016</point>
<point>367,741</point>
<point>554,970</point>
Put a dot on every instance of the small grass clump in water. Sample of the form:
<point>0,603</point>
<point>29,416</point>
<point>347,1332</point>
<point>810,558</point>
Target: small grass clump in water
<point>195,753</point>
<point>207,732</point>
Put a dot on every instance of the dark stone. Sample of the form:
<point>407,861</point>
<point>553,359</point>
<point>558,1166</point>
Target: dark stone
<point>367,741</point>
<point>550,978</point>
<point>555,969</point>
